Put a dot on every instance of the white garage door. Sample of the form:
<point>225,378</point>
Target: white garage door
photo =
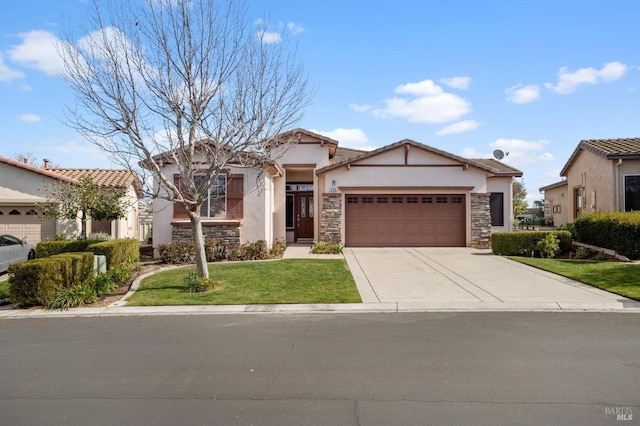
<point>25,222</point>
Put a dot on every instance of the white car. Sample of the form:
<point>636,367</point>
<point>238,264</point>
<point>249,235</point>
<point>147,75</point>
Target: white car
<point>14,250</point>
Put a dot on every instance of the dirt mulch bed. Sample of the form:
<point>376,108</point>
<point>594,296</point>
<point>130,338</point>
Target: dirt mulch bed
<point>118,293</point>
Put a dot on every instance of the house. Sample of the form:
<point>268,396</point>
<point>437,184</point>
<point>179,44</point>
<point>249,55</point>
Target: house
<point>403,194</point>
<point>600,175</point>
<point>21,192</point>
<point>555,203</point>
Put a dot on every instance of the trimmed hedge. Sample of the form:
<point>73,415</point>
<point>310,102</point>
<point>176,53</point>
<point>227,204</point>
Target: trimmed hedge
<point>619,231</point>
<point>525,243</point>
<point>51,248</point>
<point>215,251</point>
<point>118,252</point>
<point>35,282</point>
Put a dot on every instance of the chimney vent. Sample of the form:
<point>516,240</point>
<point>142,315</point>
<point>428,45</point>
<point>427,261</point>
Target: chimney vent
<point>46,163</point>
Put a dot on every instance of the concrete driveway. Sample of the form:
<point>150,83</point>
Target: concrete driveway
<point>467,279</point>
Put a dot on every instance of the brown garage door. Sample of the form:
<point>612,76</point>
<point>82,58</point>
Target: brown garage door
<point>405,220</point>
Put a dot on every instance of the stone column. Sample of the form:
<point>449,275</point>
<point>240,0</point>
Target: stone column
<point>331,218</point>
<point>480,221</point>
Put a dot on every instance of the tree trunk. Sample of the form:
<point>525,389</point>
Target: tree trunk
<point>83,226</point>
<point>198,242</point>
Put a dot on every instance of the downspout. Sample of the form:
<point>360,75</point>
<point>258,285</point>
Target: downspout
<point>618,184</point>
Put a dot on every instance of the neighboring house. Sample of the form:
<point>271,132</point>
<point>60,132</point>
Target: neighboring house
<point>601,175</point>
<point>555,203</point>
<point>21,191</point>
<point>403,194</point>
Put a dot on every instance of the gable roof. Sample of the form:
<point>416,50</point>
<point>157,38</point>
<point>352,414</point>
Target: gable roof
<point>492,166</point>
<point>117,178</point>
<point>296,133</point>
<point>611,149</point>
<point>554,185</point>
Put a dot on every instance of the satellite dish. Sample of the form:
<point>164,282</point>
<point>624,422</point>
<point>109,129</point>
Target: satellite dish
<point>498,154</point>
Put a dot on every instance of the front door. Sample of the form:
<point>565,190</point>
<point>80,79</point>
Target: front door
<point>304,215</point>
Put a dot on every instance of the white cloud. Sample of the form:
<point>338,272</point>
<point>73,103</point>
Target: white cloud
<point>37,50</point>
<point>520,94</point>
<point>269,37</point>
<point>29,118</point>
<point>353,138</point>
<point>361,108</point>
<point>519,151</point>
<point>426,102</point>
<point>457,82</point>
<point>568,82</point>
<point>295,28</point>
<point>459,127</point>
<point>7,74</point>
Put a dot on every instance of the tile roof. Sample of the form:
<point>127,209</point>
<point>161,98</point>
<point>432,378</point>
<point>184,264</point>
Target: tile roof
<point>346,153</point>
<point>118,178</point>
<point>611,149</point>
<point>106,177</point>
<point>499,167</point>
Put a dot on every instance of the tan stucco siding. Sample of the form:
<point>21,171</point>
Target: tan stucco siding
<point>595,175</point>
<point>558,199</point>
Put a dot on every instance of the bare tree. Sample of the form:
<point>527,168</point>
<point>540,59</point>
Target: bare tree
<point>188,83</point>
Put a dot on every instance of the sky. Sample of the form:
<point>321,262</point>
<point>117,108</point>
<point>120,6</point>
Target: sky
<point>529,78</point>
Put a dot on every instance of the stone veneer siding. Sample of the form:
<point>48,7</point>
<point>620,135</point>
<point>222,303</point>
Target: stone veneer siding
<point>331,218</point>
<point>480,221</point>
<point>228,233</point>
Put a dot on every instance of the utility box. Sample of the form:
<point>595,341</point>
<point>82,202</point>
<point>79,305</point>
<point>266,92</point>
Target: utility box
<point>99,264</point>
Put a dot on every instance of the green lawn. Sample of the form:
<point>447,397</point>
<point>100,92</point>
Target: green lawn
<point>246,283</point>
<point>616,277</point>
<point>4,289</point>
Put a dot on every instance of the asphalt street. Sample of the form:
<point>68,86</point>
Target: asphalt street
<point>322,369</point>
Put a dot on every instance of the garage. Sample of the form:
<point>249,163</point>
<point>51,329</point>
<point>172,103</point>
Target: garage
<point>399,220</point>
<point>24,222</point>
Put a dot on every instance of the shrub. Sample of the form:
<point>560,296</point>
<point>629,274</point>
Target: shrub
<point>99,236</point>
<point>35,282</point>
<point>582,253</point>
<point>249,251</point>
<point>195,284</point>
<point>72,297</point>
<point>619,231</point>
<point>278,248</point>
<point>215,250</point>
<point>326,247</point>
<point>51,248</point>
<point>525,243</point>
<point>549,246</point>
<point>118,252</point>
<point>104,284</point>
<point>177,252</point>
<point>77,267</point>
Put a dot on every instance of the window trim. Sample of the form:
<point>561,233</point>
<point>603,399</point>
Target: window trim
<point>624,189</point>
<point>497,219</point>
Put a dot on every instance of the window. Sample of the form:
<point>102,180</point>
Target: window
<point>352,200</point>
<point>427,200</point>
<point>367,200</point>
<point>631,193</point>
<point>396,200</point>
<point>14,212</point>
<point>496,205</point>
<point>290,212</point>
<point>412,200</point>
<point>31,212</point>
<point>214,203</point>
<point>441,200</point>
<point>383,200</point>
<point>456,200</point>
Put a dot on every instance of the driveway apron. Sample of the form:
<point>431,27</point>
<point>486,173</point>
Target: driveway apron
<point>464,276</point>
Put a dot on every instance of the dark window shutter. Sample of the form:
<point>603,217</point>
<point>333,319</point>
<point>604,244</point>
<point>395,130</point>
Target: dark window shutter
<point>235,195</point>
<point>178,211</point>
